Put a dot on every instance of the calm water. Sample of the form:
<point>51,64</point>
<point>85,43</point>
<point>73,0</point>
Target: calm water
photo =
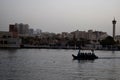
<point>48,64</point>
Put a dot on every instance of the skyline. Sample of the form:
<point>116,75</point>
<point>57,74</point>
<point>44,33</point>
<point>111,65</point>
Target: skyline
<point>61,15</point>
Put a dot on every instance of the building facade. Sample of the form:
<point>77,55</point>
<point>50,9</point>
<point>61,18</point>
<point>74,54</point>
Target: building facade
<point>8,41</point>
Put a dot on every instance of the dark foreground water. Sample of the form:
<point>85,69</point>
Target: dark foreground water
<point>48,64</point>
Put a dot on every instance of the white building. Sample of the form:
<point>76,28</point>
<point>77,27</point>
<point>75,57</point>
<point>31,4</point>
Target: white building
<point>7,41</point>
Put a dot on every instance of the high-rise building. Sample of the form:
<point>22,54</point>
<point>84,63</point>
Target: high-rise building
<point>13,29</point>
<point>31,31</point>
<point>114,23</point>
<point>23,28</point>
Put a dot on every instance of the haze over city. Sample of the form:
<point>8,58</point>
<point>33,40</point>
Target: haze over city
<point>61,15</point>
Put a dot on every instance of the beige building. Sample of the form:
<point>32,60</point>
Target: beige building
<point>90,35</point>
<point>117,38</point>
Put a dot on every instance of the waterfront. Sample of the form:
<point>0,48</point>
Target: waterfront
<point>57,64</point>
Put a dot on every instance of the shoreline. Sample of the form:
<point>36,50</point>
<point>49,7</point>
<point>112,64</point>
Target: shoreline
<point>55,48</point>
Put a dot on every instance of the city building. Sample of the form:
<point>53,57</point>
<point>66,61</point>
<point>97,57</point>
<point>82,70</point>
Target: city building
<point>13,29</point>
<point>38,31</point>
<point>90,35</point>
<point>79,34</point>
<point>31,31</point>
<point>117,38</point>
<point>22,28</point>
<point>8,41</point>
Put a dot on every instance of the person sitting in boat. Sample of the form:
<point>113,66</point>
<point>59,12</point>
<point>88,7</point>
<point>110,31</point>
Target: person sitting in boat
<point>79,53</point>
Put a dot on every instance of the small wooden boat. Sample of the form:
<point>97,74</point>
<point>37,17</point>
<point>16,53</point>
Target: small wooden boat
<point>85,56</point>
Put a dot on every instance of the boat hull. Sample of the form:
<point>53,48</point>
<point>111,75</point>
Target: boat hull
<point>84,57</point>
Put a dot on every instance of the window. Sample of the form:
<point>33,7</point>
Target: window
<point>1,42</point>
<point>5,42</point>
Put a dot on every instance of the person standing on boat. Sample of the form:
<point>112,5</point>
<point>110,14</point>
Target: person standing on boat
<point>79,53</point>
<point>93,54</point>
<point>92,51</point>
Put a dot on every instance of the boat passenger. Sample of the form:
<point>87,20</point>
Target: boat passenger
<point>79,53</point>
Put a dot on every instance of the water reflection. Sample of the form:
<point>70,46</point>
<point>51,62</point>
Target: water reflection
<point>12,54</point>
<point>113,51</point>
<point>84,61</point>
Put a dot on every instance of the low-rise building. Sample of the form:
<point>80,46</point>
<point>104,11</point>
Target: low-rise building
<point>8,41</point>
<point>117,38</point>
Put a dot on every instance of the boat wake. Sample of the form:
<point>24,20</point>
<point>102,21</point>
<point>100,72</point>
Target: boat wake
<point>109,58</point>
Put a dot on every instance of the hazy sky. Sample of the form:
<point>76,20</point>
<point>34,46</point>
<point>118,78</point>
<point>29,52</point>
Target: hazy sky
<point>61,15</point>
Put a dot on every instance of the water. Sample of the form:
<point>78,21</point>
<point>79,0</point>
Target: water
<point>49,64</point>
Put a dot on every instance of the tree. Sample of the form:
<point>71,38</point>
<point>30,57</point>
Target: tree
<point>107,41</point>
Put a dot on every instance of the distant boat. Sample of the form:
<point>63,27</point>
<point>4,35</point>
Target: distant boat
<point>85,56</point>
